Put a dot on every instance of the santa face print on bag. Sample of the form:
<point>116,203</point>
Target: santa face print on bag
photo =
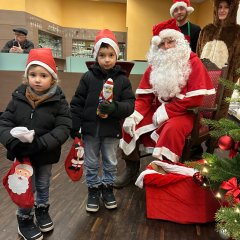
<point>19,181</point>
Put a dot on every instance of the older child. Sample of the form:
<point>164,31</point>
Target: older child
<point>100,124</point>
<point>40,105</point>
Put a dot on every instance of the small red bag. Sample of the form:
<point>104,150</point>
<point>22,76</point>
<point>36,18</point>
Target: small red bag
<point>18,183</point>
<point>74,160</point>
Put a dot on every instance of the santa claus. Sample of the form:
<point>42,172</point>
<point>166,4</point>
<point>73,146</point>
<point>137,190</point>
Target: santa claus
<point>175,81</point>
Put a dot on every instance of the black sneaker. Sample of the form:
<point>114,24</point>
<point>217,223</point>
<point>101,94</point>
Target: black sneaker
<point>27,229</point>
<point>108,197</point>
<point>93,199</point>
<point>44,221</point>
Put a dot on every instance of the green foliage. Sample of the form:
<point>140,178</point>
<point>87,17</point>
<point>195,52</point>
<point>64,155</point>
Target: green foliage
<point>221,169</point>
<point>228,218</point>
<point>228,84</point>
<point>223,127</point>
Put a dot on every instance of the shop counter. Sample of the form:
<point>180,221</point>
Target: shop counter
<point>78,64</point>
<point>13,61</point>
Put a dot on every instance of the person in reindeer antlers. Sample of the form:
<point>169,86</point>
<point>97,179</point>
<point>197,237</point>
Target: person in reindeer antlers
<point>103,98</point>
<point>39,105</point>
<point>175,80</point>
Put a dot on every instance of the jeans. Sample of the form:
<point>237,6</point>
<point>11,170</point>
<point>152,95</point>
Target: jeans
<point>40,182</point>
<point>93,146</point>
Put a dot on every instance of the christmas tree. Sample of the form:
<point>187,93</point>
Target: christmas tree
<point>221,175</point>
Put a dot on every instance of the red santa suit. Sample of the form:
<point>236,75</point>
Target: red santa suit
<point>176,122</point>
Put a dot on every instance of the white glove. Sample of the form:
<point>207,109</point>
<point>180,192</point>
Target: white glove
<point>23,134</point>
<point>129,126</point>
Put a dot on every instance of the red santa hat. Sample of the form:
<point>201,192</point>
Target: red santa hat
<point>25,166</point>
<point>181,3</point>
<point>105,36</point>
<point>166,29</point>
<point>109,83</point>
<point>44,58</point>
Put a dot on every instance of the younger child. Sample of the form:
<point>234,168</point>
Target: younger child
<point>39,105</point>
<point>98,113</point>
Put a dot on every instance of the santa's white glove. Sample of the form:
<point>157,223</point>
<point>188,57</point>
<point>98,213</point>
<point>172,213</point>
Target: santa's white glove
<point>160,116</point>
<point>129,126</point>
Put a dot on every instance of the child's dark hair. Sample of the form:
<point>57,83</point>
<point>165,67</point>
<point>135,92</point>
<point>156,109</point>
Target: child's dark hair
<point>104,45</point>
<point>227,1</point>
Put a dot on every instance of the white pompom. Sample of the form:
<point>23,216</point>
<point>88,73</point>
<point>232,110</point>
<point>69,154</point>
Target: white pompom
<point>156,40</point>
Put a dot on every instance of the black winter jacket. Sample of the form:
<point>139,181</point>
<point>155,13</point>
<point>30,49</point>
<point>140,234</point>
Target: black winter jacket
<point>86,99</point>
<point>51,121</point>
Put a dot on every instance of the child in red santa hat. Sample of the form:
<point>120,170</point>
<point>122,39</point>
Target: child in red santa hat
<point>39,105</point>
<point>103,98</point>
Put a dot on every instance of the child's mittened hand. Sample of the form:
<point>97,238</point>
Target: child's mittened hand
<point>107,107</point>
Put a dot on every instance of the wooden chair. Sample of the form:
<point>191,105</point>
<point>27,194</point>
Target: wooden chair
<point>127,66</point>
<point>209,109</point>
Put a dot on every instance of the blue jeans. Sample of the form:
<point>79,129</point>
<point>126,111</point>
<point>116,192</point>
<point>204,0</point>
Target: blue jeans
<point>93,146</point>
<point>40,182</point>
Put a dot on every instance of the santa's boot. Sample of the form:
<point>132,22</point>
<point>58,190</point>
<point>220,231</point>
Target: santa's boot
<point>129,175</point>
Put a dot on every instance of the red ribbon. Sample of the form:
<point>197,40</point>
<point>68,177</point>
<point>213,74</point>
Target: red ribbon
<point>232,189</point>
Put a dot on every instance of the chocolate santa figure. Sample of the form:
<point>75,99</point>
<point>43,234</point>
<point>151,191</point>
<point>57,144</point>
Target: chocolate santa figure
<point>106,96</point>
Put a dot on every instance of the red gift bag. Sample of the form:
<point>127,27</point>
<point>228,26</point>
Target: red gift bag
<point>18,183</point>
<point>74,160</point>
<point>174,196</point>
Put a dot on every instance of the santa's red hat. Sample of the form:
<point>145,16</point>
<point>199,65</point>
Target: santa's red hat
<point>44,58</point>
<point>166,29</point>
<point>105,36</point>
<point>181,3</point>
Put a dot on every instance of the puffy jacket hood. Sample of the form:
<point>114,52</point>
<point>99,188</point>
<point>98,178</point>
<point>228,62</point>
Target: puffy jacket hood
<point>232,15</point>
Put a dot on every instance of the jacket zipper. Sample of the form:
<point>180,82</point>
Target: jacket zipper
<point>31,116</point>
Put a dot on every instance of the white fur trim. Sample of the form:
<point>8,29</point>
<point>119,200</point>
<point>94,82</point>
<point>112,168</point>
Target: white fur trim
<point>196,93</point>
<point>180,4</point>
<point>129,147</point>
<point>139,181</point>
<point>42,65</point>
<point>162,115</point>
<point>158,152</point>
<point>108,41</point>
<point>166,33</point>
<point>137,117</point>
<point>169,168</point>
<point>144,91</point>
<point>201,92</point>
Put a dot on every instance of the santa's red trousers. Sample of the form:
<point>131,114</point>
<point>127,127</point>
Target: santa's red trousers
<point>168,140</point>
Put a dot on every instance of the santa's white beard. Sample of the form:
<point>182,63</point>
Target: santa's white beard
<point>170,69</point>
<point>18,184</point>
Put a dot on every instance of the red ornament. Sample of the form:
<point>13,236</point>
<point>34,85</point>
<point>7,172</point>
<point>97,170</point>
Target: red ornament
<point>198,178</point>
<point>225,142</point>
